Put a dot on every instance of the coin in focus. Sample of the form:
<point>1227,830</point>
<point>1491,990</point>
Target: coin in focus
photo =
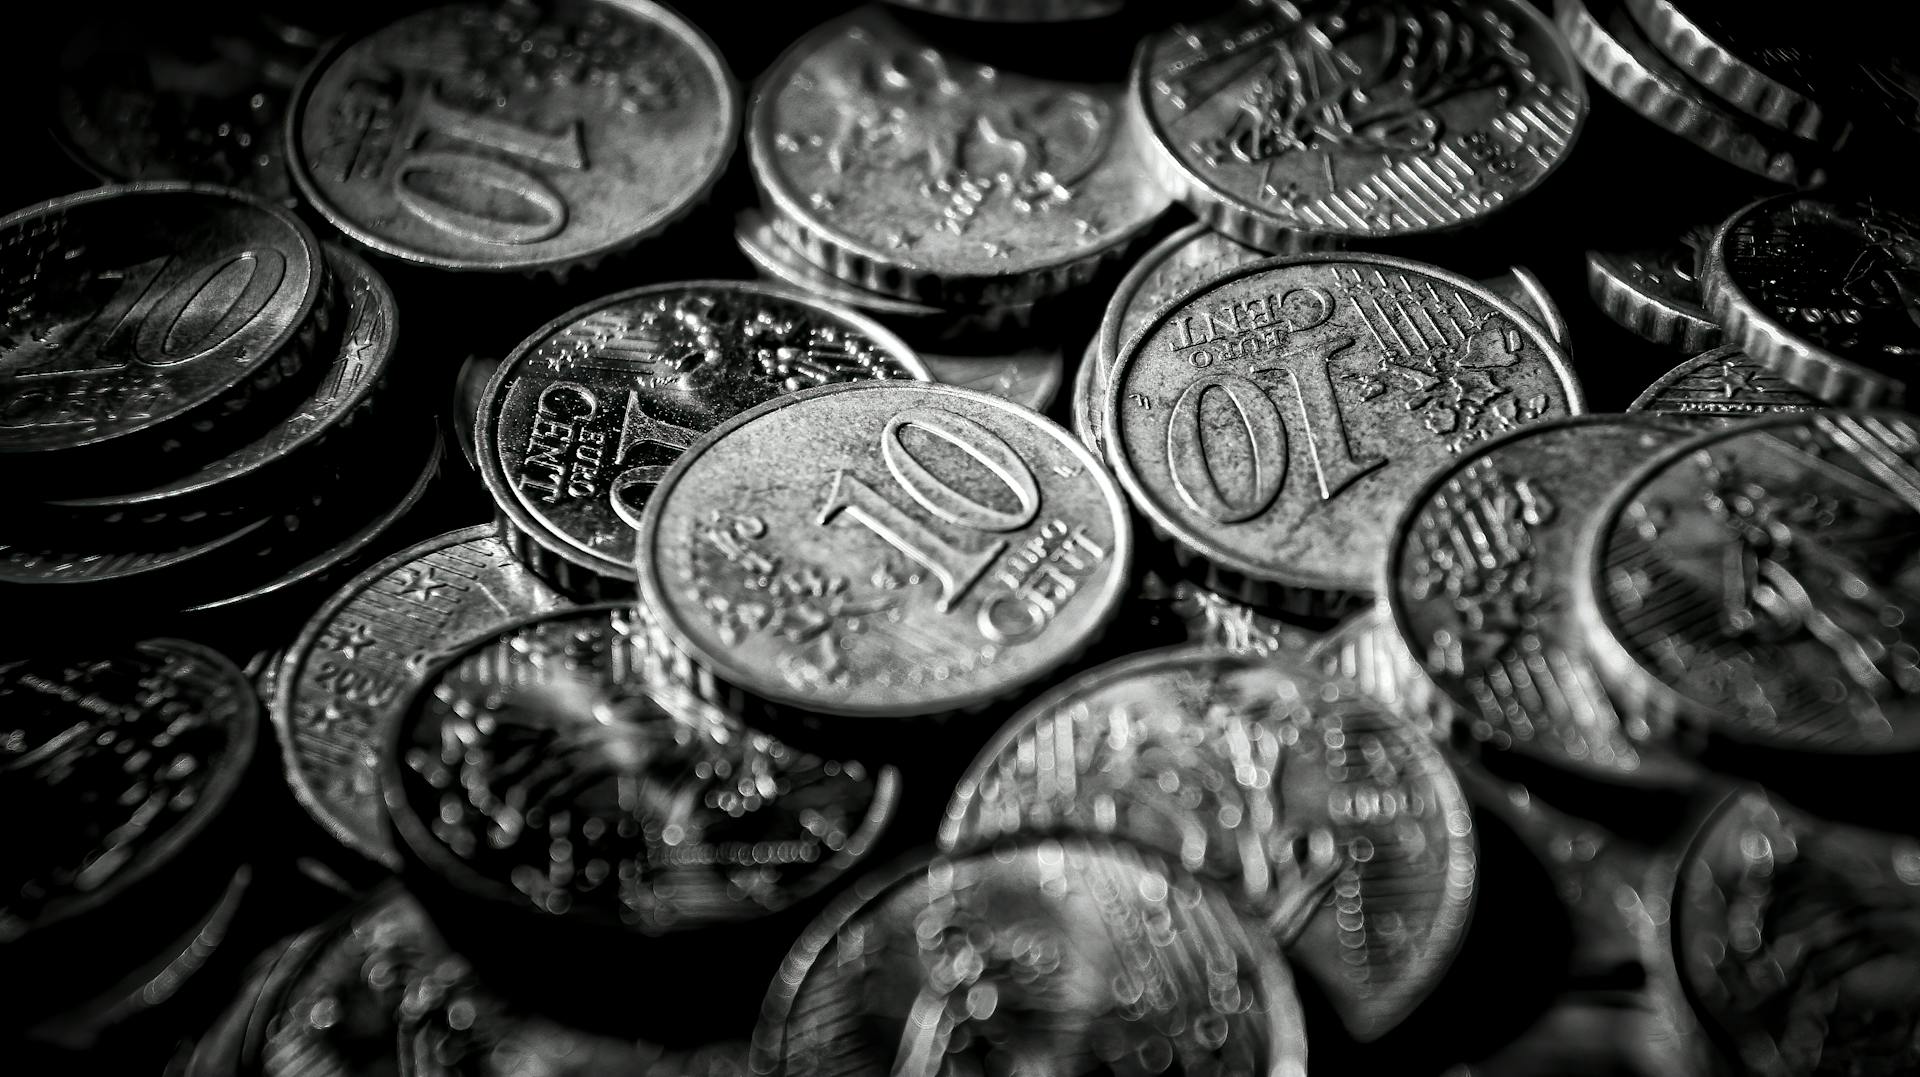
<point>1725,385</point>
<point>1656,294</point>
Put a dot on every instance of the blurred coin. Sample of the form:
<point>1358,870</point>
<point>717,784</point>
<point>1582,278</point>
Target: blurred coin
<point>469,395</point>
<point>140,317</point>
<point>1329,816</point>
<point>1206,619</point>
<point>1358,118</point>
<point>339,689</point>
<point>586,415</point>
<point>1763,581</point>
<point>1017,11</point>
<point>1799,941</point>
<point>1620,58</point>
<point>1038,957</point>
<point>1723,385</point>
<point>1477,584</point>
<point>1656,294</point>
<point>1030,378</point>
<point>1362,649</point>
<point>884,551</point>
<point>906,170</point>
<point>1686,31</point>
<point>1270,420</point>
<point>514,137</point>
<point>1824,293</point>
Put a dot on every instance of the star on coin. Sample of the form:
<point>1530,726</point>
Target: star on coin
<point>351,641</point>
<point>422,585</point>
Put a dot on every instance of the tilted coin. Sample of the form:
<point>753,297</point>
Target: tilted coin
<point>1620,58</point>
<point>1272,419</point>
<point>1520,287</point>
<point>1361,649</point>
<point>906,170</point>
<point>503,136</point>
<point>1192,256</point>
<point>1017,11</point>
<point>1030,377</point>
<point>332,401</point>
<point>1088,394</point>
<point>1334,823</point>
<point>1725,385</point>
<point>469,395</point>
<point>1799,940</point>
<point>585,416</point>
<point>1763,581</point>
<point>884,551</point>
<point>1691,34</point>
<point>1478,587</point>
<point>344,679</point>
<point>1656,294</point>
<point>1363,119</point>
<point>1207,619</point>
<point>1825,293</point>
<point>140,316</point>
<point>1041,957</point>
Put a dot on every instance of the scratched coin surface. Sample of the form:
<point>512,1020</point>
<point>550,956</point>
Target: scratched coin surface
<point>1825,293</point>
<point>555,767</point>
<point>1479,583</point>
<point>1655,292</point>
<point>907,170</point>
<point>1272,420</point>
<point>1175,265</point>
<point>885,550</point>
<point>1357,118</point>
<point>119,758</point>
<point>512,136</point>
<point>1725,385</point>
<point>583,419</point>
<point>1798,941</point>
<point>1334,823</point>
<point>1764,581</point>
<point>146,310</point>
<point>341,685</point>
<point>1077,956</point>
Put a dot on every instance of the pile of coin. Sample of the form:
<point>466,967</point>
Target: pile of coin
<point>988,536</point>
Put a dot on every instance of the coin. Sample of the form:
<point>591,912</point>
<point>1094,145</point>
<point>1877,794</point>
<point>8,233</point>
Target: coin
<point>1763,581</point>
<point>1361,649</point>
<point>1352,375</point>
<point>1334,823</point>
<point>1030,378</point>
<point>339,689</point>
<point>1350,119</point>
<point>330,403</point>
<point>1192,256</point>
<point>1087,396</point>
<point>1823,293</point>
<point>1207,619</point>
<point>1655,292</point>
<point>1620,58</point>
<point>1685,31</point>
<point>140,316</point>
<point>513,137</point>
<point>884,550</point>
<point>911,171</point>
<point>1477,586</point>
<point>1520,287</point>
<point>1017,11</point>
<point>1724,385</point>
<point>1797,940</point>
<point>584,417</point>
<point>469,394</point>
<point>1076,956</point>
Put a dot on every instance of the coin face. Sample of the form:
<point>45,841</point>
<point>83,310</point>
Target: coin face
<point>1042,957</point>
<point>1017,11</point>
<point>885,550</point>
<point>1764,580</point>
<point>911,171</point>
<point>121,758</point>
<point>1273,418</point>
<point>1724,386</point>
<point>586,415</point>
<point>1189,257</point>
<point>1350,119</point>
<point>1030,378</point>
<point>1655,292</point>
<point>1208,619</point>
<point>1799,940</point>
<point>142,307</point>
<point>1328,816</point>
<point>1479,585</point>
<point>343,681</point>
<point>515,137</point>
<point>1826,293</point>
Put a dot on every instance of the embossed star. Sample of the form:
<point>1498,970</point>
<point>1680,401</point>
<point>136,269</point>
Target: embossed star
<point>351,641</point>
<point>1735,380</point>
<point>423,585</point>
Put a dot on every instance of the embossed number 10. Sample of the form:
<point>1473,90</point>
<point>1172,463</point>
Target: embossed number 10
<point>545,210</point>
<point>955,567</point>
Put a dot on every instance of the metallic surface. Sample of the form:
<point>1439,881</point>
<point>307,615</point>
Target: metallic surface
<point>1017,11</point>
<point>1656,294</point>
<point>1725,385</point>
<point>1333,822</point>
<point>885,550</point>
<point>514,137</point>
<point>1030,378</point>
<point>1271,420</point>
<point>1039,957</point>
<point>583,419</point>
<point>1689,32</point>
<point>911,172</point>
<point>1357,119</point>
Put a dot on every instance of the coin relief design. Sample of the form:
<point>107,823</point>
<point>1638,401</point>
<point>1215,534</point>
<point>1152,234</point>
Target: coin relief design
<point>1655,292</point>
<point>1724,385</point>
<point>1337,827</point>
<point>509,136</point>
<point>885,550</point>
<point>1358,119</point>
<point>1273,419</point>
